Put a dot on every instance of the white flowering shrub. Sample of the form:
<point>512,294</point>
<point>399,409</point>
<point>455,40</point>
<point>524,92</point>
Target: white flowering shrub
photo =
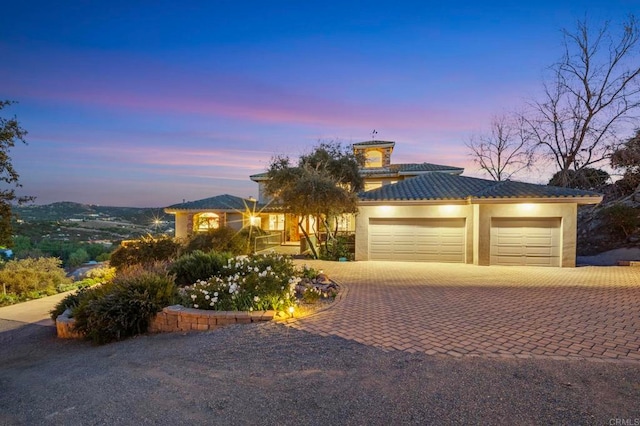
<point>246,283</point>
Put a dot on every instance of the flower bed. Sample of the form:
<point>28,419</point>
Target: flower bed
<point>243,289</point>
<point>246,283</point>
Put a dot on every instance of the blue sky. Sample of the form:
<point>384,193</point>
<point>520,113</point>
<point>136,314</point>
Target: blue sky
<point>148,103</point>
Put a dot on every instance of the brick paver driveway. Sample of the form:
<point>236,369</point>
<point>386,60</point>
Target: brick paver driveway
<point>466,310</point>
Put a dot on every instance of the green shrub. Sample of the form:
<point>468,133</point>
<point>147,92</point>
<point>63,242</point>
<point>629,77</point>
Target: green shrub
<point>198,265</point>
<point>33,278</point>
<point>308,272</point>
<point>8,299</point>
<point>95,276</point>
<point>70,301</point>
<point>311,295</point>
<point>225,239</point>
<point>336,248</point>
<point>77,258</point>
<point>622,218</point>
<point>124,307</point>
<point>144,251</point>
<point>246,283</point>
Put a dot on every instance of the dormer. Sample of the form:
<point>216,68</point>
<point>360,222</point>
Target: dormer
<point>376,153</point>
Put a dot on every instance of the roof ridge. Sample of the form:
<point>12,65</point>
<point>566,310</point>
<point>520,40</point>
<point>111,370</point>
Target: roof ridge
<point>495,185</point>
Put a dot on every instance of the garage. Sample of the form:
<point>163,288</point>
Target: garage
<point>417,240</point>
<point>525,241</point>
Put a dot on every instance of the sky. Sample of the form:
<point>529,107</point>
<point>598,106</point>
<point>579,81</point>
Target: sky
<point>149,103</point>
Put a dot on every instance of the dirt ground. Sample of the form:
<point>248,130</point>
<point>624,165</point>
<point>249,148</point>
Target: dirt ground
<point>271,374</point>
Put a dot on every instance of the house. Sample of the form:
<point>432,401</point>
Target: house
<point>424,212</point>
<point>212,213</point>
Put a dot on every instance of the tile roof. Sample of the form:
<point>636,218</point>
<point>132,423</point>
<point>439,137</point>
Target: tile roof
<point>422,167</point>
<point>409,169</point>
<point>445,186</point>
<point>259,176</point>
<point>369,143</point>
<point>219,202</point>
<point>391,170</point>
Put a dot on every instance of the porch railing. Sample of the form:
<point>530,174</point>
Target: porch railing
<point>264,242</point>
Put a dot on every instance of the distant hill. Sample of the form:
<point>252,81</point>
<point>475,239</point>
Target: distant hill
<point>66,210</point>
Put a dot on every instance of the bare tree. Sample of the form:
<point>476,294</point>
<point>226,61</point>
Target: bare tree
<point>593,92</point>
<point>504,151</point>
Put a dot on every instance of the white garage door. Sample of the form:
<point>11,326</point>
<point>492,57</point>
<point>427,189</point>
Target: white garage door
<point>534,241</point>
<point>420,240</point>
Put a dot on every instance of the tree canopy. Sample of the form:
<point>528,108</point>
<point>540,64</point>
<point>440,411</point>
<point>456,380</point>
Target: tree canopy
<point>10,134</point>
<point>627,158</point>
<point>586,178</point>
<point>323,184</point>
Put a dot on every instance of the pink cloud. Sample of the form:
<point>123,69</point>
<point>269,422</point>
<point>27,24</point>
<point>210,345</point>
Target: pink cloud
<point>151,87</point>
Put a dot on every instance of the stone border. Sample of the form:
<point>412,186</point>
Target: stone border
<point>178,318</point>
<point>64,326</point>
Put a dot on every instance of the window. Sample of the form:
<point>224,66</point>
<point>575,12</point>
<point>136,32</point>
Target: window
<point>206,221</point>
<point>373,159</point>
<point>276,222</point>
<point>344,223</point>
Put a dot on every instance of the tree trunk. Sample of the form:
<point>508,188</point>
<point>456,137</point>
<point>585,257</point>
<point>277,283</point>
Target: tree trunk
<point>306,237</point>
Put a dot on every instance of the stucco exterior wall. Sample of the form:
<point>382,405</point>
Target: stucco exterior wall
<point>184,223</point>
<point>263,198</point>
<point>567,212</point>
<point>478,224</point>
<point>416,211</point>
<point>235,221</point>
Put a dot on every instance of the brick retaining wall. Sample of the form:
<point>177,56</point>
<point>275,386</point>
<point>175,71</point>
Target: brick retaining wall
<point>178,318</point>
<point>64,326</point>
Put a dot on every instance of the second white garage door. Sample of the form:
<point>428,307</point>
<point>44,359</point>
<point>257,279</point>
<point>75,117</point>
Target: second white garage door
<point>534,241</point>
<point>418,240</point>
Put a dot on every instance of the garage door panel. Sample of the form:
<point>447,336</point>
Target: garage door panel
<point>437,240</point>
<point>534,241</point>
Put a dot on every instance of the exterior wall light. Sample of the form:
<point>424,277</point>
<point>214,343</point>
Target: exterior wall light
<point>527,207</point>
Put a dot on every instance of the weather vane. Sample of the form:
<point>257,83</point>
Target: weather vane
<point>373,134</point>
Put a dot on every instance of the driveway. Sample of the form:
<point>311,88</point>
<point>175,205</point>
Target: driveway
<point>465,310</point>
<point>267,373</point>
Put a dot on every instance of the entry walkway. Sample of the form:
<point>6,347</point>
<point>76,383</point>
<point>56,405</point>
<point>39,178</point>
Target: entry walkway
<point>465,310</point>
<point>32,312</point>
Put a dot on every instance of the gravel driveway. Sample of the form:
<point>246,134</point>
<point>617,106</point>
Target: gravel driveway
<point>271,374</point>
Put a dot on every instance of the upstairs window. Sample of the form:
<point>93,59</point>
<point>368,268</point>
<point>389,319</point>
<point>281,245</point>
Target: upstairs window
<point>373,158</point>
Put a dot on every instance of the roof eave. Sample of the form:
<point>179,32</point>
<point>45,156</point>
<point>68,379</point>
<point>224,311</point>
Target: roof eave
<point>511,200</point>
<point>434,201</point>
<point>424,172</point>
<point>169,210</point>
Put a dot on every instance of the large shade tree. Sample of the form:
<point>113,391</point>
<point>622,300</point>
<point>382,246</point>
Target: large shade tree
<point>322,184</point>
<point>591,95</point>
<point>10,134</point>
